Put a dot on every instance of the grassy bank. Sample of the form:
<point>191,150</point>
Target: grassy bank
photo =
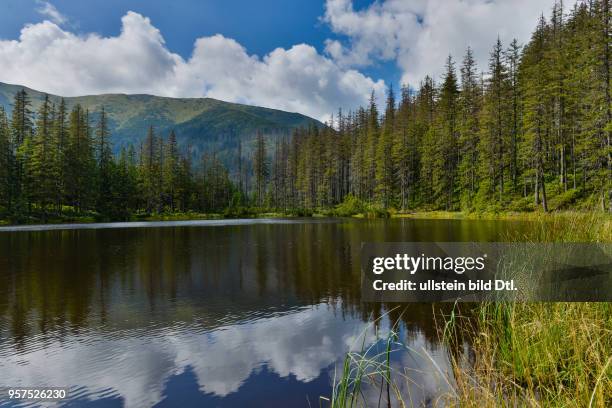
<point>92,217</point>
<point>555,354</point>
<point>351,207</point>
<point>521,354</point>
<point>543,354</point>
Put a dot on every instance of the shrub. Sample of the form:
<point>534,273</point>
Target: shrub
<point>349,207</point>
<point>564,200</point>
<point>238,212</point>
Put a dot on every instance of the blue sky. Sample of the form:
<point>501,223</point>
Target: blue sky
<point>329,53</point>
<point>260,26</point>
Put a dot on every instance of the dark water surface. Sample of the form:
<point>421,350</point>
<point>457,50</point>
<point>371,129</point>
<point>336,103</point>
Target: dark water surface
<point>243,313</point>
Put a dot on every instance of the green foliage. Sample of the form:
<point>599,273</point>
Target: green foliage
<point>534,131</point>
<point>376,211</point>
<point>203,124</point>
<point>525,134</point>
<point>239,212</point>
<point>300,212</point>
<point>349,207</point>
<point>60,167</point>
<point>542,354</point>
<point>565,200</point>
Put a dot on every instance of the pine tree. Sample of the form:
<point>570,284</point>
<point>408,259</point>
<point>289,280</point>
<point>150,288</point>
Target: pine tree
<point>150,171</point>
<point>425,117</point>
<point>21,122</point>
<point>104,159</point>
<point>358,170</point>
<point>6,162</point>
<point>60,136</point>
<point>403,150</point>
<point>534,101</point>
<point>124,185</point>
<point>185,182</point>
<point>495,125</point>
<point>171,171</point>
<point>369,156</point>
<point>469,128</point>
<point>384,162</point>
<point>446,140</point>
<point>22,125</point>
<point>260,168</point>
<point>513,58</point>
<point>43,165</point>
<point>80,170</point>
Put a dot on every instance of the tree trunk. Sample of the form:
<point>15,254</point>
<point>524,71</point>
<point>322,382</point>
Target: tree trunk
<point>537,188</point>
<point>543,184</point>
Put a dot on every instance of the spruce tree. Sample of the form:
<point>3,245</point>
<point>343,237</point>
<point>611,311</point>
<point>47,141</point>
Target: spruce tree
<point>534,92</point>
<point>260,168</point>
<point>384,163</point>
<point>80,170</point>
<point>446,140</point>
<point>104,159</point>
<point>43,164</point>
<point>171,171</point>
<point>470,102</point>
<point>496,115</point>
<point>6,162</point>
<point>22,124</point>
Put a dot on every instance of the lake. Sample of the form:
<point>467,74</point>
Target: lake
<point>237,313</point>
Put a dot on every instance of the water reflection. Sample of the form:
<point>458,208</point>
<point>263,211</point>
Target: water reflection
<point>246,314</point>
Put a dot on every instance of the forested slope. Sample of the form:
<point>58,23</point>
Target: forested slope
<point>203,124</point>
<point>532,130</point>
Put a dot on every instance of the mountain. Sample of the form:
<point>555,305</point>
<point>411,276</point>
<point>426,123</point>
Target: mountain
<point>204,124</point>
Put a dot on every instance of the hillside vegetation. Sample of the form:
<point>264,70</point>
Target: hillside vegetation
<point>203,124</point>
<point>533,130</point>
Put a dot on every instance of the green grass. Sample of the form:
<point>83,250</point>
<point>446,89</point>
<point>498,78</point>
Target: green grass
<point>178,216</point>
<point>543,354</point>
<point>370,367</point>
<point>524,354</point>
<point>555,354</point>
<point>69,216</point>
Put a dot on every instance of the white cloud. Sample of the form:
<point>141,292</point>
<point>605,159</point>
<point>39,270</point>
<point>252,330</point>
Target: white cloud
<point>419,34</point>
<point>49,58</point>
<point>48,10</point>
<point>136,367</point>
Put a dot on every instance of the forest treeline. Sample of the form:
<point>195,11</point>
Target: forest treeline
<point>531,130</point>
<point>56,162</point>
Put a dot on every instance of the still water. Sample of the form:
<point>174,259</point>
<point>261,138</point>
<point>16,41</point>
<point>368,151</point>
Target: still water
<point>242,313</point>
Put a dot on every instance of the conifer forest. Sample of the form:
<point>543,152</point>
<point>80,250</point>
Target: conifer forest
<point>530,131</point>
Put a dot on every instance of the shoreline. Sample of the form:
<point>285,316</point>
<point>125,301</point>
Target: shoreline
<point>441,215</point>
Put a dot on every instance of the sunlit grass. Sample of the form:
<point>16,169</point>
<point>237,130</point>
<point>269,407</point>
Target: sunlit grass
<point>543,354</point>
<point>522,354</point>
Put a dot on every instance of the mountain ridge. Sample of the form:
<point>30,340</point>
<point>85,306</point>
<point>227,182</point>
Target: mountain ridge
<point>202,124</point>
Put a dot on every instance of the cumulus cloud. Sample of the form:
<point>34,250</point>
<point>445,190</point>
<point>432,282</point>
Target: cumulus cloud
<point>48,10</point>
<point>299,79</point>
<point>136,367</point>
<point>419,34</point>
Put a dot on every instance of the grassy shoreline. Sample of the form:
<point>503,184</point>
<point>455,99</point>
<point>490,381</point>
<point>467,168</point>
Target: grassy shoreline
<point>89,218</point>
<point>521,354</point>
<point>543,354</point>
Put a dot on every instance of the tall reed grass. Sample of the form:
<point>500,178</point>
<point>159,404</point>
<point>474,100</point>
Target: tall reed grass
<point>521,354</point>
<point>543,354</point>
